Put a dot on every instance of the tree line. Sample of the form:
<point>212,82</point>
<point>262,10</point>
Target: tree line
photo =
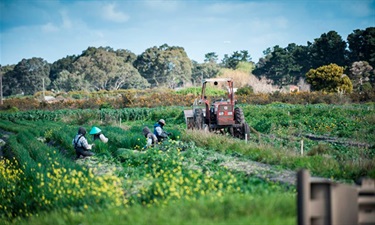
<point>328,63</point>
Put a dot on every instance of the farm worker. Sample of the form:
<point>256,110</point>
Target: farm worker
<point>80,144</point>
<point>151,138</point>
<point>159,132</point>
<point>97,132</point>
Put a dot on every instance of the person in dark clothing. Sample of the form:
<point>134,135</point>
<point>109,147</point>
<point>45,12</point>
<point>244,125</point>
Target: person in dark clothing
<point>159,132</point>
<point>151,138</point>
<point>81,145</point>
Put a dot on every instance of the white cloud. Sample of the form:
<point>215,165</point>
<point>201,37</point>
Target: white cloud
<point>111,14</point>
<point>66,22</point>
<point>49,27</point>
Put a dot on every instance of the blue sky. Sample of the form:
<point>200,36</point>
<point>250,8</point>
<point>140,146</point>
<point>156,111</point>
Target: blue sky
<point>53,29</point>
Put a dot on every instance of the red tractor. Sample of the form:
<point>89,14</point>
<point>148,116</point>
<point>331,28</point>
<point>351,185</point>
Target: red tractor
<point>220,115</point>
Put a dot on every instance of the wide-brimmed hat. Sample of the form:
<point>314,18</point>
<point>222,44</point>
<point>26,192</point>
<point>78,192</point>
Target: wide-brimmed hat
<point>95,130</point>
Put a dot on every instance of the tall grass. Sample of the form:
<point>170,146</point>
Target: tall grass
<point>275,208</point>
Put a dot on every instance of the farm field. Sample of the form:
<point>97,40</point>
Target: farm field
<point>193,178</point>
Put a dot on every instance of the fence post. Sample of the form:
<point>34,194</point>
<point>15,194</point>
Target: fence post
<point>303,197</point>
<point>366,202</point>
<point>323,202</point>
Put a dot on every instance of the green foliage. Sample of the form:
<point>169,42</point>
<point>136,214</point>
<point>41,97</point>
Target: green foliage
<point>245,90</point>
<point>103,69</point>
<point>203,71</point>
<point>329,78</point>
<point>234,209</point>
<point>28,75</point>
<point>329,48</point>
<point>183,171</point>
<point>232,61</point>
<point>280,65</point>
<point>210,91</point>
<point>164,66</point>
<point>361,45</point>
<point>246,67</point>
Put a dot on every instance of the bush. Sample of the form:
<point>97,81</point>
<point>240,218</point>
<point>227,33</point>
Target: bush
<point>245,90</point>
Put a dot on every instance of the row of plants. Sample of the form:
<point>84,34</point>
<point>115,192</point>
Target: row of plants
<point>164,97</point>
<point>39,176</point>
<point>36,178</point>
<point>170,173</point>
<point>283,124</point>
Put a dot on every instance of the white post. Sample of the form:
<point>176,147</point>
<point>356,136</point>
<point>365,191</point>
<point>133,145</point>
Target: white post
<point>246,138</point>
<point>302,147</point>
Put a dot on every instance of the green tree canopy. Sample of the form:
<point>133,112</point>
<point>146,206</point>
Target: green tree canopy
<point>164,66</point>
<point>105,70</point>
<point>362,45</point>
<point>232,61</point>
<point>329,48</point>
<point>29,75</point>
<point>280,65</point>
<point>204,70</point>
<point>329,78</point>
<point>67,81</point>
<point>211,57</point>
<point>65,63</point>
<point>8,79</point>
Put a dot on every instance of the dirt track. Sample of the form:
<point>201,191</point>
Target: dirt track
<point>261,170</point>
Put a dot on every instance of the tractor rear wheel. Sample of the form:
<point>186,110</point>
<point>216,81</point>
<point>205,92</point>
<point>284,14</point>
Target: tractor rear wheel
<point>239,118</point>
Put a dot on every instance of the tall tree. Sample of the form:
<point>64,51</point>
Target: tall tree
<point>280,66</point>
<point>362,45</point>
<point>330,78</point>
<point>204,70</point>
<point>329,48</point>
<point>67,81</point>
<point>126,55</point>
<point>164,66</point>
<point>232,61</point>
<point>105,70</point>
<point>30,76</point>
<point>65,63</point>
<point>210,57</point>
<point>9,82</point>
<point>125,76</point>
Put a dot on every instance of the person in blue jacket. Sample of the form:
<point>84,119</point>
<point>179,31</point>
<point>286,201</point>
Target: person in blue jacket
<point>159,132</point>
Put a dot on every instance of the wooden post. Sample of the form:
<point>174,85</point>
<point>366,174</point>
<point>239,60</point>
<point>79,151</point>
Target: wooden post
<point>303,197</point>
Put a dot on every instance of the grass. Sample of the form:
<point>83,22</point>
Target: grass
<point>232,209</point>
<point>165,184</point>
